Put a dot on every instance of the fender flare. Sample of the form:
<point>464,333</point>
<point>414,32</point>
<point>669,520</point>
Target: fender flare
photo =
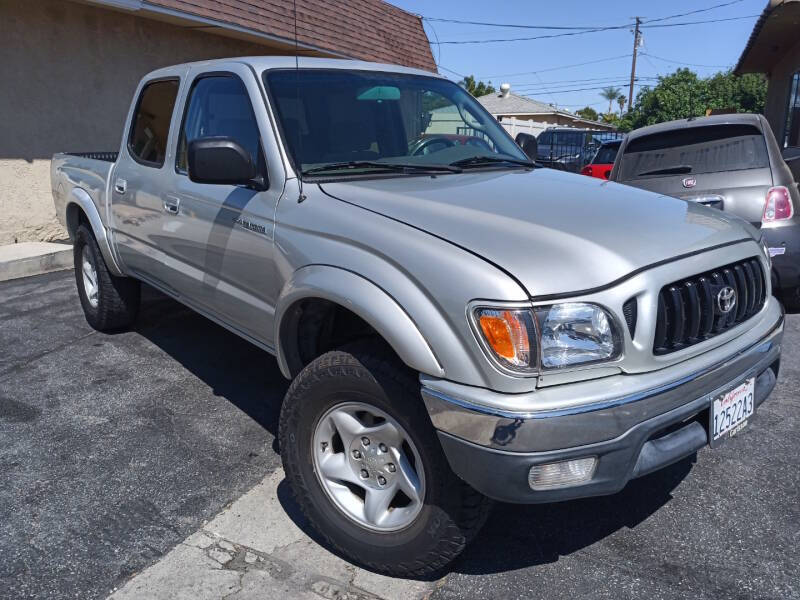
<point>362,297</point>
<point>82,199</point>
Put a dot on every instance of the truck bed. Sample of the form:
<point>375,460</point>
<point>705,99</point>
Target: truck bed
<point>82,174</point>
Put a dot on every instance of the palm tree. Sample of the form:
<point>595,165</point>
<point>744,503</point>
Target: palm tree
<point>610,94</point>
<point>621,100</point>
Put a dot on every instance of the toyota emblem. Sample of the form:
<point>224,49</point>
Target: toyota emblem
<point>689,182</point>
<point>726,299</point>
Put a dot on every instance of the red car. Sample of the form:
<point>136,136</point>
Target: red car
<point>603,161</point>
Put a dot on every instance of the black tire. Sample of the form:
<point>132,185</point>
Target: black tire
<point>452,512</point>
<point>117,297</point>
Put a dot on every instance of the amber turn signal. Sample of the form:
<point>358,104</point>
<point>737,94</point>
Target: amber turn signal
<point>506,334</point>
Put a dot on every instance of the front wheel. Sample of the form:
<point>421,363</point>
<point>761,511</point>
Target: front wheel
<point>367,469</point>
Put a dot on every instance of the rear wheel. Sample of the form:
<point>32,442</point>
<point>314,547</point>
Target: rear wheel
<point>366,466</point>
<point>108,302</point>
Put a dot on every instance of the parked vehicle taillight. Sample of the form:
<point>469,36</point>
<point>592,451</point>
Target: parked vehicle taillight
<point>778,205</point>
<point>587,170</point>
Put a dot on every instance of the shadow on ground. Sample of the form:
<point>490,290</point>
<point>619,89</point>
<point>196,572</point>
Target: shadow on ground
<point>232,367</point>
<point>518,536</point>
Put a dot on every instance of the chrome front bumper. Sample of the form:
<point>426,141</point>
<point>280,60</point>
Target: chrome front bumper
<point>493,449</point>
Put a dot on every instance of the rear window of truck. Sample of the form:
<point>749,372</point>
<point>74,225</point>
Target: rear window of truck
<point>692,150</point>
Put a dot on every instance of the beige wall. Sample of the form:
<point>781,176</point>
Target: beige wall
<point>67,75</point>
<point>778,90</point>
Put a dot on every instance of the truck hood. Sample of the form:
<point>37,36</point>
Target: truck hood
<point>555,232</point>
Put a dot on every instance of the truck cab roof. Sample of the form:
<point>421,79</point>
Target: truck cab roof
<point>261,63</point>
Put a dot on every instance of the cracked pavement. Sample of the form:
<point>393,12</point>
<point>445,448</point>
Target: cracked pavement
<point>143,465</point>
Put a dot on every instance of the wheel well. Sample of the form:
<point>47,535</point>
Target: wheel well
<point>75,218</point>
<point>313,326</point>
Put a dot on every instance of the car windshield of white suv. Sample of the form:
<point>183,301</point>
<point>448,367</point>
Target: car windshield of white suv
<point>693,150</point>
<point>337,122</point>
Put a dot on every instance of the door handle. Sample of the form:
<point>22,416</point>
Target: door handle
<point>172,205</point>
<point>120,185</point>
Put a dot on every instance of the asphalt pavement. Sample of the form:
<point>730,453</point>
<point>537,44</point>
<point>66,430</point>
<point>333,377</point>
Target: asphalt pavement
<point>137,460</point>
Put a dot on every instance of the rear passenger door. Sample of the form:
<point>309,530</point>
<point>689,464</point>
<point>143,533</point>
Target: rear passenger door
<point>140,181</point>
<point>231,226</point>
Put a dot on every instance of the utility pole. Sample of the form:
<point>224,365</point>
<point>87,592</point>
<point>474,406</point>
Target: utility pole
<point>633,63</point>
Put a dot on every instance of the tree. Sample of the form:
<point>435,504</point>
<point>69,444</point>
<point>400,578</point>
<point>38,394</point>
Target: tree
<point>478,88</point>
<point>611,118</point>
<point>587,112</point>
<point>683,94</point>
<point>610,94</point>
<point>621,100</point>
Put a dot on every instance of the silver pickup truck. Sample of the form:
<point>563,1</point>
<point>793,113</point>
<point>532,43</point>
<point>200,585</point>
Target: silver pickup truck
<point>458,324</point>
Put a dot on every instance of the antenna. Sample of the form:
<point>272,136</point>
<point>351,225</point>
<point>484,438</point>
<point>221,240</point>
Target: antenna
<point>301,196</point>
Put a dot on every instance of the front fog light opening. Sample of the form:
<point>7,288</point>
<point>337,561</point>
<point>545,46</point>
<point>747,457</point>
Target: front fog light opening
<point>564,473</point>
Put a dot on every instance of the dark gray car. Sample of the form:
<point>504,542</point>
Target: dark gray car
<point>730,162</point>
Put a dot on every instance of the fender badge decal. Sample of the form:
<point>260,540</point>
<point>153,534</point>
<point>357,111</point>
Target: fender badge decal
<point>251,226</point>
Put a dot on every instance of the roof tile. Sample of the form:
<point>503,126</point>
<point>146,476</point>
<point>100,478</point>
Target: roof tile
<point>365,29</point>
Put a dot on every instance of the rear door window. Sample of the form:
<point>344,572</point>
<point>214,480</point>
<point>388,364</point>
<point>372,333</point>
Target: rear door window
<point>147,142</point>
<point>693,150</point>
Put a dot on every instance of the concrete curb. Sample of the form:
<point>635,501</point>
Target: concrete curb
<point>33,258</point>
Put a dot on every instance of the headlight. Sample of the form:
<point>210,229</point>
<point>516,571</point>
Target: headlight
<point>509,336</point>
<point>576,333</point>
<point>553,337</point>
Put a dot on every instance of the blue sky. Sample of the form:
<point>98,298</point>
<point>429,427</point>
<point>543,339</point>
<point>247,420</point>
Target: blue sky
<point>714,44</point>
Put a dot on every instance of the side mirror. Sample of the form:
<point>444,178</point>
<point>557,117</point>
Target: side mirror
<point>221,160</point>
<point>528,144</point>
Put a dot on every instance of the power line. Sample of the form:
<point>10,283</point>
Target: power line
<point>536,37</point>
<point>583,89</point>
<point>699,22</point>
<point>516,25</point>
<point>595,30</point>
<point>573,27</point>
<point>602,83</point>
<point>589,80</point>
<point>580,64</point>
<point>451,71</point>
<point>677,62</point>
<point>692,12</point>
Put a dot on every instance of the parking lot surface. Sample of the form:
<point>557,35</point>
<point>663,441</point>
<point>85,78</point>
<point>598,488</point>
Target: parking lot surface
<point>143,464</point>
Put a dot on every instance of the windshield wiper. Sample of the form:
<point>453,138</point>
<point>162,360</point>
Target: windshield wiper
<point>360,164</point>
<point>674,170</point>
<point>476,161</point>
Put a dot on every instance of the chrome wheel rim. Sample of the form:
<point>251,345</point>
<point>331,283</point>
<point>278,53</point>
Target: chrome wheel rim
<point>90,287</point>
<point>368,466</point>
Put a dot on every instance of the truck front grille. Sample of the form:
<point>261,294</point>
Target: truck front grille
<point>694,309</point>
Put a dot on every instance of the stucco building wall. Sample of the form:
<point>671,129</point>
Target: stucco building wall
<point>68,73</point>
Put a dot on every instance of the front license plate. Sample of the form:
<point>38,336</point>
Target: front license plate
<point>731,410</point>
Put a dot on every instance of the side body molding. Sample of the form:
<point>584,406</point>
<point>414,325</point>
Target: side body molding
<point>84,201</point>
<point>362,297</point>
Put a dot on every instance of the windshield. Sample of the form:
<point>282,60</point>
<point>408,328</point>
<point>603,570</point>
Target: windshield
<point>350,120</point>
<point>704,149</point>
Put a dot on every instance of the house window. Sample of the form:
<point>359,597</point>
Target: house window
<point>791,132</point>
